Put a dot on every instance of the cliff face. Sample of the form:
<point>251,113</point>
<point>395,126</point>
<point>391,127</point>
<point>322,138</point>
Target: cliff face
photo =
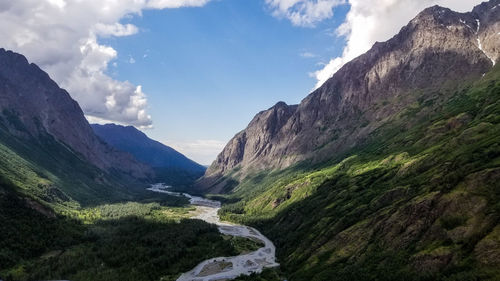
<point>32,105</point>
<point>438,49</point>
<point>251,144</point>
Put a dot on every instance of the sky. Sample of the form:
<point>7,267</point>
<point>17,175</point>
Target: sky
<point>193,73</point>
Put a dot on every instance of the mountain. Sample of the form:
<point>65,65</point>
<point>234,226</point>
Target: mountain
<point>388,171</point>
<point>73,207</point>
<point>170,165</point>
<point>43,131</point>
<point>435,50</point>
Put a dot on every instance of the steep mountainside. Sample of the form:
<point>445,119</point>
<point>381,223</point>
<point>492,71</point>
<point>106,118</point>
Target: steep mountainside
<point>390,170</point>
<point>435,50</point>
<point>170,165</point>
<point>412,203</point>
<point>48,149</point>
<point>33,106</point>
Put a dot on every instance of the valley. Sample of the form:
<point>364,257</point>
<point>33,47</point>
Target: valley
<point>245,264</point>
<point>388,171</point>
<point>108,242</point>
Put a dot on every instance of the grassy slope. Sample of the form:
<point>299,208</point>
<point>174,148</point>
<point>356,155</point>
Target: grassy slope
<point>417,201</point>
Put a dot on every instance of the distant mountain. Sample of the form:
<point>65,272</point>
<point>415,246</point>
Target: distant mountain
<point>169,164</point>
<point>48,147</point>
<point>436,49</point>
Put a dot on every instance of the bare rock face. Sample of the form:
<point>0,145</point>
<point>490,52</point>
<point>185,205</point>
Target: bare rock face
<point>438,49</point>
<point>34,106</point>
<point>250,144</point>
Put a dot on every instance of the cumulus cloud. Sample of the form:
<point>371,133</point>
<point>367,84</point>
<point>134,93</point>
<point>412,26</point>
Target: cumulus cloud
<point>303,12</point>
<point>62,37</point>
<point>369,21</point>
<point>201,151</point>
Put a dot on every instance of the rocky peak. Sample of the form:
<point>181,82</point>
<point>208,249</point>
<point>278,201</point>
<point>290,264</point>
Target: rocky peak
<point>270,121</point>
<point>437,47</point>
<point>251,143</point>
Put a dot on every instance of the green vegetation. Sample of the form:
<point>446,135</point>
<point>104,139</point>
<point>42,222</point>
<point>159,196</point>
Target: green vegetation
<point>418,200</point>
<point>149,240</point>
<point>39,167</point>
<point>176,177</point>
<point>28,233</point>
<point>63,218</point>
<point>129,249</point>
<point>243,245</point>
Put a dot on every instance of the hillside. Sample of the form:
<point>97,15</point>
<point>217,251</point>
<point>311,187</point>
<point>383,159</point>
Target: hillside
<point>390,170</point>
<point>33,106</point>
<point>170,166</point>
<point>47,147</point>
<point>413,202</point>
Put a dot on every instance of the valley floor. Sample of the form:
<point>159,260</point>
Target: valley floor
<point>153,239</point>
<point>223,268</point>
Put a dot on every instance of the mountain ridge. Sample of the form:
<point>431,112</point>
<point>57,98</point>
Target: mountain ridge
<point>33,100</point>
<point>438,46</point>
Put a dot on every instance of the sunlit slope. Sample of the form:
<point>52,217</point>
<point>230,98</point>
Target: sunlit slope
<point>418,200</point>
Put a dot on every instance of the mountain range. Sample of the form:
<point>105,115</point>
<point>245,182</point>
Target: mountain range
<point>50,149</point>
<point>388,171</point>
<point>72,204</point>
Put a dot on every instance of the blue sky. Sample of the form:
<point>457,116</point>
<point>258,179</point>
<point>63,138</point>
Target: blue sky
<point>207,71</point>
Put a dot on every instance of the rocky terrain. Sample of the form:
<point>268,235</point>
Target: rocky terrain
<point>435,50</point>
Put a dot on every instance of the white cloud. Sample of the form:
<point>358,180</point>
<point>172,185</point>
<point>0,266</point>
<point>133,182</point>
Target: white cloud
<point>307,55</point>
<point>303,12</point>
<point>201,151</point>
<point>116,29</point>
<point>162,4</point>
<point>62,37</point>
<point>369,21</point>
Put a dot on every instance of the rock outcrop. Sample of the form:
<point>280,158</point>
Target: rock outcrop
<point>439,48</point>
